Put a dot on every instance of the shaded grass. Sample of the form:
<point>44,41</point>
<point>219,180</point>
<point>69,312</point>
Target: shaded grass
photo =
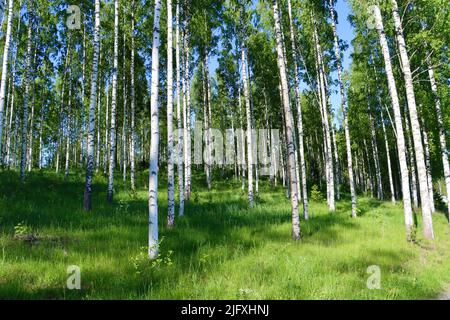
<point>220,250</point>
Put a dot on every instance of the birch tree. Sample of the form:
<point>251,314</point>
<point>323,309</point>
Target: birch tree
<point>27,79</point>
<point>288,122</point>
<point>179,117</point>
<point>247,107</point>
<point>133,101</point>
<point>69,128</point>
<point>442,138</point>
<point>154,144</point>
<point>398,122</point>
<point>125,115</point>
<point>299,114</point>
<point>415,126</point>
<point>170,166</point>
<point>112,153</point>
<point>388,158</point>
<point>344,108</point>
<point>92,104</point>
<point>325,121</point>
<point>186,106</point>
<point>5,70</point>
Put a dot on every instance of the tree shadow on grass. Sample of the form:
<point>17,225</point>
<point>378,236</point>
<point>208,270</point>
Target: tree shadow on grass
<point>218,221</point>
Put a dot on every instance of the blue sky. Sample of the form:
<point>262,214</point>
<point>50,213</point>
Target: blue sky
<point>345,33</point>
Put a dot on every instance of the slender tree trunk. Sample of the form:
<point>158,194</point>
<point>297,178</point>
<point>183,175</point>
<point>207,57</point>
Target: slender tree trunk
<point>369,168</point>
<point>376,158</point>
<point>112,154</point>
<point>61,107</point>
<point>187,114</point>
<point>7,103</point>
<point>41,128</point>
<point>249,125</point>
<point>299,115</point>
<point>179,116</point>
<point>398,124</point>
<point>11,114</point>
<point>9,146</point>
<point>92,105</point>
<point>415,126</point>
<point>106,142</point>
<point>428,166</point>
<point>412,165</point>
<point>206,123</point>
<point>83,100</point>
<point>388,158</point>
<point>153,242</point>
<point>5,71</point>
<point>99,126</point>
<point>69,129</point>
<point>170,155</point>
<point>336,163</point>
<point>27,77</point>
<point>326,125</point>
<point>208,91</point>
<point>125,116</point>
<point>133,102</point>
<point>442,139</point>
<point>241,116</point>
<point>31,131</point>
<point>288,121</point>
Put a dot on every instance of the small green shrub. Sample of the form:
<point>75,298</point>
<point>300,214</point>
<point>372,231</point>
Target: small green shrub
<point>316,195</point>
<point>21,229</point>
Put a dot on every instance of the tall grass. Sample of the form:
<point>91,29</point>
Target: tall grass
<point>220,250</point>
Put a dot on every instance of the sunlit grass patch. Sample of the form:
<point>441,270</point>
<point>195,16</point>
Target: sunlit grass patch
<point>221,248</point>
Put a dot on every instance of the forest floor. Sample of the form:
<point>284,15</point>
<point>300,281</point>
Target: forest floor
<point>220,249</point>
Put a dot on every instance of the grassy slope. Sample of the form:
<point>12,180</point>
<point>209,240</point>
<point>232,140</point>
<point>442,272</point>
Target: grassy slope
<point>220,250</point>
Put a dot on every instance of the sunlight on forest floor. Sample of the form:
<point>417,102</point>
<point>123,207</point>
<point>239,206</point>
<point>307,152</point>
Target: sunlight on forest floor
<point>220,250</point>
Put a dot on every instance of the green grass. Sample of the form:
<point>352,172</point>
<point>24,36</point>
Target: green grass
<point>220,250</point>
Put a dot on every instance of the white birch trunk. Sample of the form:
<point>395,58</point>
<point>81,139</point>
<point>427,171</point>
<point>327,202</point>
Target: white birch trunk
<point>31,131</point>
<point>415,126</point>
<point>170,165</point>
<point>106,142</point>
<point>205,80</point>
<point>388,158</point>
<point>27,77</point>
<point>187,115</point>
<point>249,125</point>
<point>442,139</point>
<point>289,122</point>
<point>92,105</point>
<point>41,128</point>
<point>376,158</point>
<point>69,129</point>
<point>112,153</point>
<point>299,115</point>
<point>336,163</point>
<point>241,116</point>
<point>125,116</point>
<point>412,165</point>
<point>179,116</point>
<point>428,166</point>
<point>133,103</point>
<point>153,241</point>
<point>5,71</point>
<point>326,125</point>
<point>398,124</point>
